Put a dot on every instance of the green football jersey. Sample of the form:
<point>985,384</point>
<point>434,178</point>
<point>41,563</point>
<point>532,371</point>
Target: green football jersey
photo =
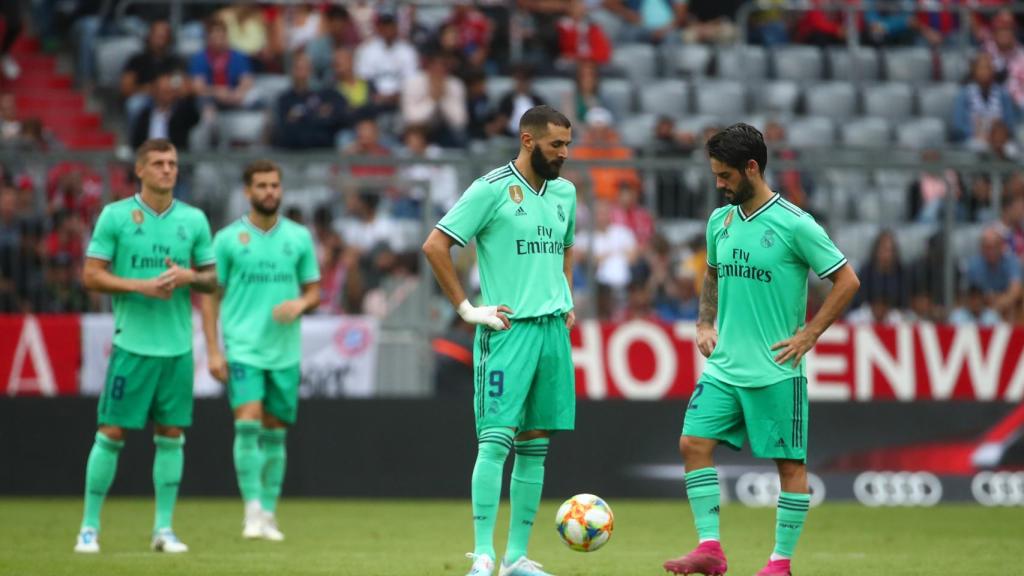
<point>521,236</point>
<point>762,261</point>
<point>137,242</point>
<point>259,270</point>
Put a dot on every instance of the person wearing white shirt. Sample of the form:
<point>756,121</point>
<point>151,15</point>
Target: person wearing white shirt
<point>612,247</point>
<point>437,100</point>
<point>386,60</point>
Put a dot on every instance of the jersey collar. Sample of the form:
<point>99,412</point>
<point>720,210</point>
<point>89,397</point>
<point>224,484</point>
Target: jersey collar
<point>154,213</point>
<point>260,231</point>
<point>765,206</point>
<point>543,187</point>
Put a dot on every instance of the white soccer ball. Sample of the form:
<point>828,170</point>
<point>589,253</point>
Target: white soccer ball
<point>585,522</point>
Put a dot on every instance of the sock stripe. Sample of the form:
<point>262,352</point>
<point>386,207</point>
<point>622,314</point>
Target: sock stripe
<point>699,483</point>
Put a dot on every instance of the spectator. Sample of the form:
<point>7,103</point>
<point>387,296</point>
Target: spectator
<point>1011,222</point>
<point>882,277</point>
<point>922,307</point>
<point>367,143</point>
<point>937,23</point>
<point>768,24</point>
<point>74,187</point>
<point>978,206</point>
<point>673,198</point>
<point>926,275</point>
<point>1001,145</point>
<point>10,247</point>
<point>997,272</point>
<point>639,304</point>
<point>879,310</point>
<point>306,118</point>
<point>680,302</point>
<point>630,213</point>
<point>822,26</point>
<point>580,38</point>
<point>386,61</point>
<point>339,32</point>
<point>516,102</point>
<point>62,291</point>
<point>299,26</point>
<point>980,103</point>
<point>601,142</point>
<point>156,59</point>
<point>221,77</point>
<point>295,214</point>
<point>588,90</point>
<point>437,100</point>
<point>1007,55</point>
<point>935,185</point>
<point>249,33</point>
<point>888,23</point>
<point>474,33</point>
<point>540,30</point>
<point>10,125</point>
<point>482,119</point>
<point>795,185</point>
<point>441,179</point>
<point>710,21</point>
<point>67,237</point>
<point>446,46</point>
<point>359,94</point>
<point>11,12</point>
<point>973,311</point>
<point>391,297</point>
<point>653,21</point>
<point>612,248</point>
<point>366,229</point>
<point>171,114</point>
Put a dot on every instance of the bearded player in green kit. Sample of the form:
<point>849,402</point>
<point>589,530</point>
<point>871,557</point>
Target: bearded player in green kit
<point>523,217</point>
<point>268,277</point>
<point>760,248</point>
<point>142,253</point>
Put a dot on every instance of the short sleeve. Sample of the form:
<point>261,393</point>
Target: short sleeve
<point>712,249</point>
<point>222,253</point>
<point>815,248</point>
<point>470,214</point>
<point>309,270</point>
<point>104,237</point>
<point>202,249</point>
<point>570,230</point>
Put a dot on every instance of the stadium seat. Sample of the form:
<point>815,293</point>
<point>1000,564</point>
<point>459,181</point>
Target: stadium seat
<point>912,239</point>
<point>670,97</point>
<point>111,56</point>
<point>890,100</point>
<point>795,62</point>
<point>639,62</point>
<point>910,64</point>
<point>557,92</point>
<point>921,133</point>
<point>691,60</point>
<point>854,239</point>
<point>243,127</point>
<point>637,130</point>
<point>186,47</point>
<point>269,87</point>
<point>497,87</point>
<point>894,180</point>
<point>742,62</point>
<point>937,99</point>
<point>966,239</point>
<point>618,93</point>
<point>837,100</point>
<point>779,96</point>
<point>722,98</point>
<point>811,131</point>
<point>695,124</point>
<point>863,65</point>
<point>866,132</point>
<point>955,66</point>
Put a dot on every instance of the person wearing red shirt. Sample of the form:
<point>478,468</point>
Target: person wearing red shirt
<point>579,38</point>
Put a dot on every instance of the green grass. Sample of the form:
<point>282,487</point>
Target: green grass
<point>426,538</point>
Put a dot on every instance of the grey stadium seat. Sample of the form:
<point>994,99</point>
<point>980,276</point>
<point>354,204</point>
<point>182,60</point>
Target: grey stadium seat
<point>246,127</point>
<point>637,130</point>
<point>811,131</point>
<point>556,92</point>
<point>111,56</point>
<point>798,63</point>
<point>688,60</point>
<point>618,93</point>
<point>837,100</point>
<point>780,96</point>
<point>722,98</point>
<point>862,65</point>
<point>271,86</point>
<point>639,62</point>
<point>921,133</point>
<point>497,87</point>
<point>937,99</point>
<point>910,64</point>
<point>891,100</point>
<point>671,97</point>
<point>742,62</point>
<point>869,132</point>
<point>696,124</point>
<point>955,66</point>
<point>186,47</point>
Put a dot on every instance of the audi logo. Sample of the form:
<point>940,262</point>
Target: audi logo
<point>897,489</point>
<point>998,488</point>
<point>761,489</point>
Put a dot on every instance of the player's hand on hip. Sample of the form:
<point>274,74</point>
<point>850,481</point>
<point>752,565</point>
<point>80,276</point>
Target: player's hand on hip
<point>494,317</point>
<point>218,366</point>
<point>794,347</point>
<point>287,311</point>
<point>707,339</point>
<point>570,319</point>
<point>155,288</point>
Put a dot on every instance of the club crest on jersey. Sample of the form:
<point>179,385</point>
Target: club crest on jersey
<point>138,218</point>
<point>725,225</point>
<point>515,193</point>
<point>561,214</point>
<point>768,240</point>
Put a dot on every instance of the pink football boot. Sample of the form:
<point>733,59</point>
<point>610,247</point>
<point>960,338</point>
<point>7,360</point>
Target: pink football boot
<point>707,558</point>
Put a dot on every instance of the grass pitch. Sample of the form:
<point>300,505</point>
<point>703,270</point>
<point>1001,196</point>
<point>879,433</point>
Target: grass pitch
<point>426,538</point>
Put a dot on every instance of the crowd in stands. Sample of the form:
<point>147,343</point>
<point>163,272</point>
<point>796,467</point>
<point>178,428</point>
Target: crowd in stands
<point>374,79</point>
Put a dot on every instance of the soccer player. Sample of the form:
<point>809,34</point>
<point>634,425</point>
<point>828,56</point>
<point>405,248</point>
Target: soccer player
<point>523,217</point>
<point>268,277</point>
<point>146,251</point>
<point>759,250</point>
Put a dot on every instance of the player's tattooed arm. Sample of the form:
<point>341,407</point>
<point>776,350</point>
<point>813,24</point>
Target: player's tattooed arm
<point>707,335</point>
<point>206,279</point>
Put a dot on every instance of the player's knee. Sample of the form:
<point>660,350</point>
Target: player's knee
<point>168,431</point>
<point>249,411</point>
<point>695,449</point>
<point>532,435</point>
<point>271,421</point>
<point>115,433</point>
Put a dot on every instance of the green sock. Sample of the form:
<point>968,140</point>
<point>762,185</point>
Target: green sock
<point>702,490</point>
<point>494,446</point>
<point>248,458</point>
<point>99,475</point>
<point>524,492</point>
<point>789,522</point>
<point>167,466</point>
<point>275,456</point>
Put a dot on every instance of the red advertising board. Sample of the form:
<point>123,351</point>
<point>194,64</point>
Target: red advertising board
<point>39,355</point>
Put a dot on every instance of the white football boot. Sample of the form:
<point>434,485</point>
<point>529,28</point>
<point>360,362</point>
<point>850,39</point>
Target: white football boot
<point>252,526</point>
<point>88,541</point>
<point>166,541</point>
<point>483,565</point>
<point>523,567</point>
<point>270,530</point>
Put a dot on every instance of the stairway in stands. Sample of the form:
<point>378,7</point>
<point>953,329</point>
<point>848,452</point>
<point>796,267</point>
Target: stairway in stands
<point>42,92</point>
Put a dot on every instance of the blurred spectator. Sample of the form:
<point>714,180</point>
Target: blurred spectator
<point>364,15</point>
<point>156,59</point>
<point>359,94</point>
<point>340,284</point>
<point>922,307</point>
<point>10,247</point>
<point>410,27</point>
<point>437,100</point>
<point>710,21</point>
<point>446,46</point>
<point>294,213</point>
<point>887,23</point>
<point>249,33</point>
<point>171,113</point>
<point>306,118</point>
<point>998,273</point>
<point>367,143</point>
<point>927,276</point>
<point>639,304</point>
<point>442,180</point>
<point>36,138</point>
<point>973,311</point>
<point>386,61</point>
<point>581,38</point>
<point>10,125</point>
<point>600,141</point>
<point>74,187</point>
<point>978,206</point>
<point>588,91</point>
<point>612,248</point>
<point>538,30</point>
<point>67,237</point>
<point>795,185</point>
<point>630,213</point>
<point>882,277</point>
<point>680,302</point>
<point>673,199</point>
<point>516,102</point>
<point>474,32</point>
<point>367,229</point>
<point>937,23</point>
<point>980,103</point>
<point>391,297</point>
<point>822,26</point>
<point>1007,55</point>
<point>299,25</point>
<point>1001,145</point>
<point>62,291</point>
<point>1010,225</point>
<point>482,119</point>
<point>221,77</point>
<point>339,32</point>
<point>768,24</point>
<point>649,20</point>
<point>935,185</point>
<point>879,310</point>
<point>11,12</point>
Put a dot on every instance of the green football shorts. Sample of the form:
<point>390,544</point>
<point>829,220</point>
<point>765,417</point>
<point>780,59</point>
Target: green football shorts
<point>773,417</point>
<point>278,390</point>
<point>524,376</point>
<point>142,388</point>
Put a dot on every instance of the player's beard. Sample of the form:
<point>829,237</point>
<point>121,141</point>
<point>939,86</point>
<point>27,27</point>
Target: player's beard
<point>743,192</point>
<point>268,207</point>
<point>546,169</point>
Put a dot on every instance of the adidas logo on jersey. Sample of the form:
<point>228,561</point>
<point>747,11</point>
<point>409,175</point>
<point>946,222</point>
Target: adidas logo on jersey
<point>781,443</point>
<point>520,211</point>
